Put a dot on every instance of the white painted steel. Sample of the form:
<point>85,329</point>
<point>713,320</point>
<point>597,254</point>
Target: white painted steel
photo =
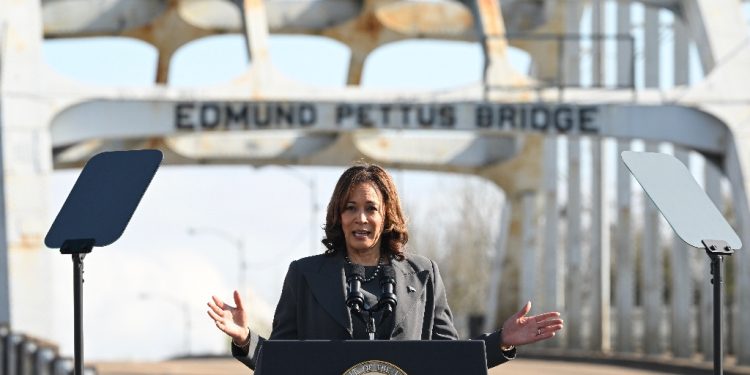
<point>681,51</point>
<point>529,249</point>
<point>501,248</point>
<point>681,323</point>
<point>133,118</point>
<point>652,288</point>
<point>572,47</point>
<point>574,301</point>
<point>624,264</point>
<point>4,275</point>
<point>733,171</point>
<point>624,55</point>
<point>598,65</point>
<point>552,285</point>
<point>652,49</point>
<point>600,251</point>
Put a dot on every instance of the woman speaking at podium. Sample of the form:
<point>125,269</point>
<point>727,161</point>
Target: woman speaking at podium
<point>365,226</point>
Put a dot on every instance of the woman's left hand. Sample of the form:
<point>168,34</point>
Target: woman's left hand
<point>520,329</point>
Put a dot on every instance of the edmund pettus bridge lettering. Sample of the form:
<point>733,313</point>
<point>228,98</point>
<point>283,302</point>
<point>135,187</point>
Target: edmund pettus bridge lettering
<point>538,117</point>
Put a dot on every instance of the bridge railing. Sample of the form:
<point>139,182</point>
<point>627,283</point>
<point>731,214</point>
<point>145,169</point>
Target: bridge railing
<point>24,355</point>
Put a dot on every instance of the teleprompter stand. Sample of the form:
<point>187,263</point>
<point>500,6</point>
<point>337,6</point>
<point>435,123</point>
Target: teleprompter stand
<point>693,217</point>
<point>96,213</point>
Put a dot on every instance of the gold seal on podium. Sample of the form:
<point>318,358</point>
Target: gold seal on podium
<point>374,367</point>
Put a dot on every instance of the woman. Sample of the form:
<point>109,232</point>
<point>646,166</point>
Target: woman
<point>365,226</point>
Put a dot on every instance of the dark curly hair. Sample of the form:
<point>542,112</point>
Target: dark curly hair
<point>394,236</point>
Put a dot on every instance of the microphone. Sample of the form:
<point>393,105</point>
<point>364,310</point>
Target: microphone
<point>388,300</point>
<point>355,300</point>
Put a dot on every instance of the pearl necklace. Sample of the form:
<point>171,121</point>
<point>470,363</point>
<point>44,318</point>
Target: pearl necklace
<point>374,275</point>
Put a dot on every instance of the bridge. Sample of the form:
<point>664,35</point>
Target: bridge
<point>605,76</point>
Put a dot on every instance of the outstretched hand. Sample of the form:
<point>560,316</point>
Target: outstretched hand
<point>520,329</point>
<point>229,319</point>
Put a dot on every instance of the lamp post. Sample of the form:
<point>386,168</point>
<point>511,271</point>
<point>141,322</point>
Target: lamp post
<point>312,184</point>
<point>237,242</point>
<point>180,304</point>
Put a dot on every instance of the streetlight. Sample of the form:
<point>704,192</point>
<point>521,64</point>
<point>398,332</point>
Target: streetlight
<point>312,183</point>
<point>180,304</point>
<point>236,242</point>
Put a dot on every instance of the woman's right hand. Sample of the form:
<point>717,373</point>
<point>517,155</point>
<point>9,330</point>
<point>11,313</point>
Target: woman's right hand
<point>229,319</point>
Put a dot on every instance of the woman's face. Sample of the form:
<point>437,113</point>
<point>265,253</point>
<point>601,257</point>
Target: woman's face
<point>362,218</point>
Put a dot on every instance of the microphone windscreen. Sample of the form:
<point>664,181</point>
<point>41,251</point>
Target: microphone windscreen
<point>358,269</point>
<point>389,272</point>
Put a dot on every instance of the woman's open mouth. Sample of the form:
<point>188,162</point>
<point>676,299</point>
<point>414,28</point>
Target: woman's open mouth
<point>361,234</point>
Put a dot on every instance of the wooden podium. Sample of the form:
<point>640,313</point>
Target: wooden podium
<point>371,357</point>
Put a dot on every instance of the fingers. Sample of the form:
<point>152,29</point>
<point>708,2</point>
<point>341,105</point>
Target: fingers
<point>216,309</point>
<point>216,317</point>
<point>550,322</point>
<point>545,316</point>
<point>218,321</point>
<point>238,300</point>
<point>524,310</point>
<point>218,302</point>
<point>547,332</point>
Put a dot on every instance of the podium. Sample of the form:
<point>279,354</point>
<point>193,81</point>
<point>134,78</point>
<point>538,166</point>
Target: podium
<point>355,357</point>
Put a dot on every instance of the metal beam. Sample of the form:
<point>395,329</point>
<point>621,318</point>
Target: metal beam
<point>4,276</point>
<point>574,254</point>
<point>624,259</point>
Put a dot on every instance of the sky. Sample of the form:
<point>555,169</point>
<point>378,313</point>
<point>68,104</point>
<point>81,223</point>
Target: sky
<point>136,289</point>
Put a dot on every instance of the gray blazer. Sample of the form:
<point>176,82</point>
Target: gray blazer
<point>312,306</point>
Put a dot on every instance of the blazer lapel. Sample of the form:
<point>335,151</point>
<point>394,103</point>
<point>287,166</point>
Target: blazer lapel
<point>410,286</point>
<point>328,285</point>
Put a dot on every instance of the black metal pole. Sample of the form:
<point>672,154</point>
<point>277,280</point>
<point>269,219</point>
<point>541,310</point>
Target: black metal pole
<point>716,268</point>
<point>78,313</point>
